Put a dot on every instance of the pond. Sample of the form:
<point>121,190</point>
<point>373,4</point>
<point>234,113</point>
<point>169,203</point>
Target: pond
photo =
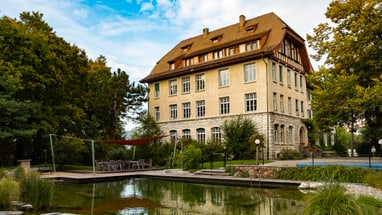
<point>153,196</point>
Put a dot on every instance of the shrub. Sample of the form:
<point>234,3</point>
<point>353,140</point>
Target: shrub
<point>289,154</point>
<point>374,179</point>
<point>19,174</point>
<point>36,191</point>
<point>332,200</point>
<point>192,156</point>
<point>9,191</point>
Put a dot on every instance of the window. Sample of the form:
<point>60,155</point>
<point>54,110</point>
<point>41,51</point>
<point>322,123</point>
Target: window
<point>274,71</point>
<point>250,102</point>
<point>309,95</point>
<point>173,136</point>
<point>297,113</point>
<point>157,113</point>
<point>186,133</point>
<point>173,112</point>
<point>276,133</point>
<point>186,84</point>
<point>310,113</point>
<point>231,51</point>
<point>250,72</point>
<point>275,101</point>
<point>189,61</point>
<point>216,134</point>
<point>224,105</point>
<point>290,135</point>
<point>200,108</point>
<point>199,82</point>
<point>251,46</point>
<point>282,103</point>
<point>218,54</point>
<point>295,80</point>
<point>281,74</point>
<point>172,66</point>
<point>282,134</point>
<point>289,105</point>
<point>172,87</point>
<point>301,82</point>
<point>302,108</point>
<point>201,135</point>
<point>223,77</point>
<point>288,78</point>
<point>203,58</point>
<point>157,91</point>
<point>186,110</point>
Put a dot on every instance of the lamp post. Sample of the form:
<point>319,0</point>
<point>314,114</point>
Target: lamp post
<point>257,142</point>
<point>371,154</point>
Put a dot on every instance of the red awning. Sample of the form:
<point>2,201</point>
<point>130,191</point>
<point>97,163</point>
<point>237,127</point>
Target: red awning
<point>133,142</point>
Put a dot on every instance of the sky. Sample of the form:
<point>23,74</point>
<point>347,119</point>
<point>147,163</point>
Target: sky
<point>134,34</point>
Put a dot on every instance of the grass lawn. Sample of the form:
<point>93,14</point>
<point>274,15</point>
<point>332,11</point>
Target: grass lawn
<point>219,164</point>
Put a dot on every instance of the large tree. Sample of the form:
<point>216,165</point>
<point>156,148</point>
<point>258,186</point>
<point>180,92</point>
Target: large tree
<point>346,88</point>
<point>50,86</point>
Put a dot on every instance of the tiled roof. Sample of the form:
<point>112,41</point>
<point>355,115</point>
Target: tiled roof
<point>268,28</point>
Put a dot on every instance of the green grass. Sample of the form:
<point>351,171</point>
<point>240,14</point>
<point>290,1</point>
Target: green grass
<point>219,164</point>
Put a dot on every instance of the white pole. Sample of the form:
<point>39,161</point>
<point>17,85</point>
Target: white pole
<point>93,156</point>
<point>51,148</point>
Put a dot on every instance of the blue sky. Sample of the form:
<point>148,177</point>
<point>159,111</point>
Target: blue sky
<point>135,34</point>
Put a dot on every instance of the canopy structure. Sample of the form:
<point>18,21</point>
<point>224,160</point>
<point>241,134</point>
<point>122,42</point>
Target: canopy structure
<point>133,142</point>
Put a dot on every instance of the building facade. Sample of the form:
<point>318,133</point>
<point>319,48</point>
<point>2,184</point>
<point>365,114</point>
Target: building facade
<point>255,68</point>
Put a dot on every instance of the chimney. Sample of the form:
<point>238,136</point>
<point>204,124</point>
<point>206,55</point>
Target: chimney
<point>242,21</point>
<point>205,32</point>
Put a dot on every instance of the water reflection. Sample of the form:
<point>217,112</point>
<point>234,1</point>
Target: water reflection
<point>149,196</point>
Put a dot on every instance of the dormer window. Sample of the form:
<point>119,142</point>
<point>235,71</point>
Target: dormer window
<point>189,61</point>
<point>251,29</point>
<point>251,45</point>
<point>172,66</point>
<point>216,39</point>
<point>186,47</point>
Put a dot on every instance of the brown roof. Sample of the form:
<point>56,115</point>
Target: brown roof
<point>268,28</point>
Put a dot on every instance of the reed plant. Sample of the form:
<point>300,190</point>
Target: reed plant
<point>36,191</point>
<point>374,179</point>
<point>334,173</point>
<point>332,200</point>
<point>9,191</point>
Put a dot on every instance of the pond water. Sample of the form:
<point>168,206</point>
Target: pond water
<point>152,196</point>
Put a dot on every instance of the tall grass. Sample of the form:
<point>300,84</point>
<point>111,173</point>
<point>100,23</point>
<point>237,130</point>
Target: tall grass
<point>332,200</point>
<point>374,179</point>
<point>9,191</point>
<point>36,191</point>
<point>324,173</point>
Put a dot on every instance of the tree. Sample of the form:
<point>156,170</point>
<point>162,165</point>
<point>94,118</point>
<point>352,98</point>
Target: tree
<point>237,133</point>
<point>345,90</point>
<point>50,86</point>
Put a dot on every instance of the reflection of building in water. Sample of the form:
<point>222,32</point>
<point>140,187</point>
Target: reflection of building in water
<point>212,202</point>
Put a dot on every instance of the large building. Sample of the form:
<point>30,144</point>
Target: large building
<point>255,68</point>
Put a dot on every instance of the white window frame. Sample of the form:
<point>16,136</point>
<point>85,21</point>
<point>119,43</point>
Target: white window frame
<point>156,90</point>
<point>200,108</point>
<point>173,112</point>
<point>186,84</point>
<point>250,102</point>
<point>224,104</point>
<point>186,110</point>
<point>249,72</point>
<point>157,113</point>
<point>282,103</point>
<point>223,77</point>
<point>200,83</point>
<point>275,101</point>
<point>201,135</point>
<point>172,87</point>
<point>216,134</point>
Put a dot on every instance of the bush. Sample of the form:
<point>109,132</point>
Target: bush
<point>36,191</point>
<point>192,156</point>
<point>289,154</point>
<point>332,200</point>
<point>9,191</point>
<point>374,179</point>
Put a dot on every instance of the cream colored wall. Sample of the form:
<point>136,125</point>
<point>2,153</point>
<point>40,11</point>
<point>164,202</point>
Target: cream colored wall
<point>235,91</point>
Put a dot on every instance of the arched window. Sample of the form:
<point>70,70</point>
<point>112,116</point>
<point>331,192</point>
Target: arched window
<point>186,133</point>
<point>173,136</point>
<point>201,135</point>
<point>216,134</point>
